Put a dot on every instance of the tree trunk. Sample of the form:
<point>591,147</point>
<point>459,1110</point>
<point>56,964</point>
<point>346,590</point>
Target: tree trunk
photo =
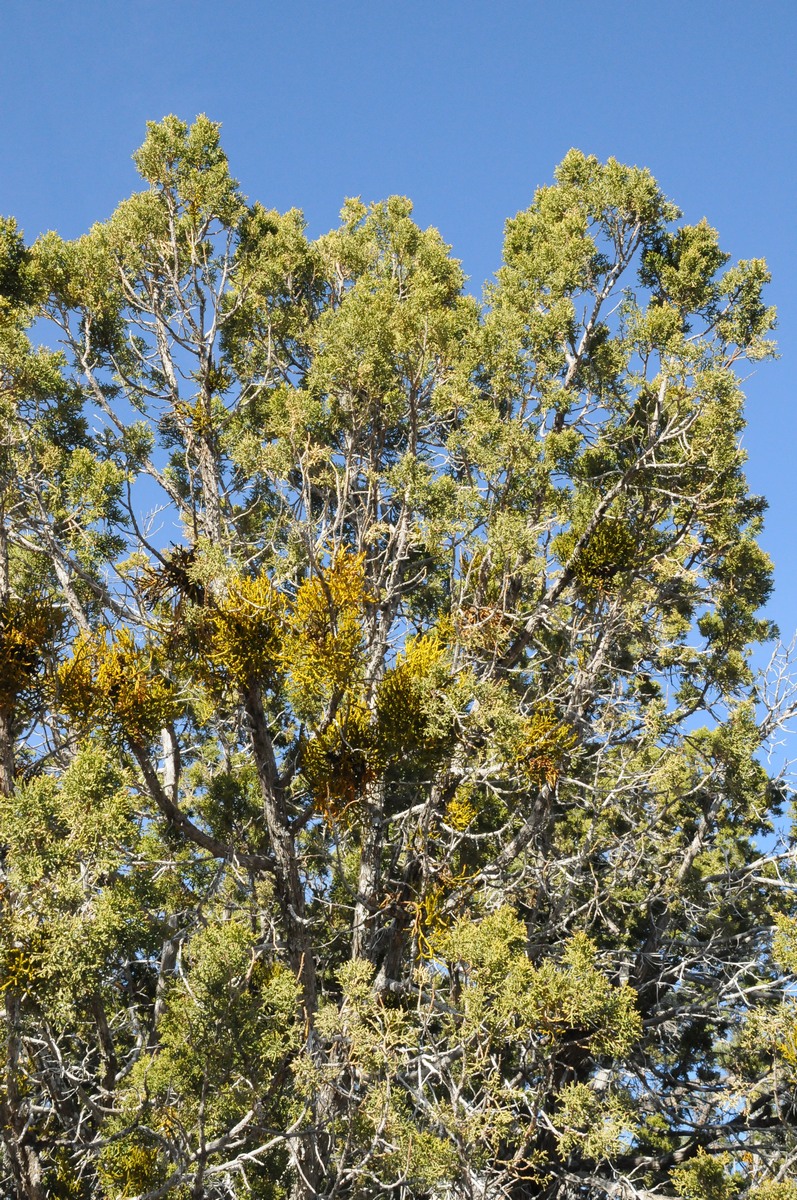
<point>370,873</point>
<point>290,889</point>
<point>7,762</point>
<point>23,1158</point>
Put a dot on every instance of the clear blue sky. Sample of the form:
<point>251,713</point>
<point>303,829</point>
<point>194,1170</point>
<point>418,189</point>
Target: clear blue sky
<point>463,105</point>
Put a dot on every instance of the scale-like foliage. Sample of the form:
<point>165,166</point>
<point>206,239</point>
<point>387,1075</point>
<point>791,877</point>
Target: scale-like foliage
<point>386,813</point>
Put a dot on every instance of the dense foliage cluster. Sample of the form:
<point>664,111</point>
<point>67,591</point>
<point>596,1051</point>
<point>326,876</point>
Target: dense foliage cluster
<point>382,804</point>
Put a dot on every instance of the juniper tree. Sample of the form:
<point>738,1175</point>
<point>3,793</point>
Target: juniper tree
<point>383,801</point>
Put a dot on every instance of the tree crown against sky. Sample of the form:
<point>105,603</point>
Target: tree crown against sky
<point>380,755</point>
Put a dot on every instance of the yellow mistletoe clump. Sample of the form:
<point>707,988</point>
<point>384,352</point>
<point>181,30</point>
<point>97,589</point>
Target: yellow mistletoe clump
<point>17,970</point>
<point>407,727</point>
<point>430,920</point>
<point>607,554</point>
<point>322,652</point>
<point>128,1165</point>
<point>487,627</point>
<point>404,727</point>
<point>545,742</point>
<point>26,627</point>
<point>116,684</point>
<point>461,809</point>
<point>337,764</point>
<point>247,631</point>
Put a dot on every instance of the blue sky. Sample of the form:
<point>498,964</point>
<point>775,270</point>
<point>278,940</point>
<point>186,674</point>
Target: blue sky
<point>463,106</point>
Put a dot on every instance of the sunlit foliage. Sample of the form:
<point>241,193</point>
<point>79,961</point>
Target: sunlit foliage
<point>384,808</point>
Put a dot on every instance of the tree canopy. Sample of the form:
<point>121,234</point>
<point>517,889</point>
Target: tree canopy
<point>384,800</point>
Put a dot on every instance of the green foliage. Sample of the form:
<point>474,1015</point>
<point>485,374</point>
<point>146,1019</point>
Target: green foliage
<point>129,1166</point>
<point>599,560</point>
<point>388,812</point>
<point>704,1178</point>
<point>70,909</point>
<point>590,1125</point>
<point>568,1000</point>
